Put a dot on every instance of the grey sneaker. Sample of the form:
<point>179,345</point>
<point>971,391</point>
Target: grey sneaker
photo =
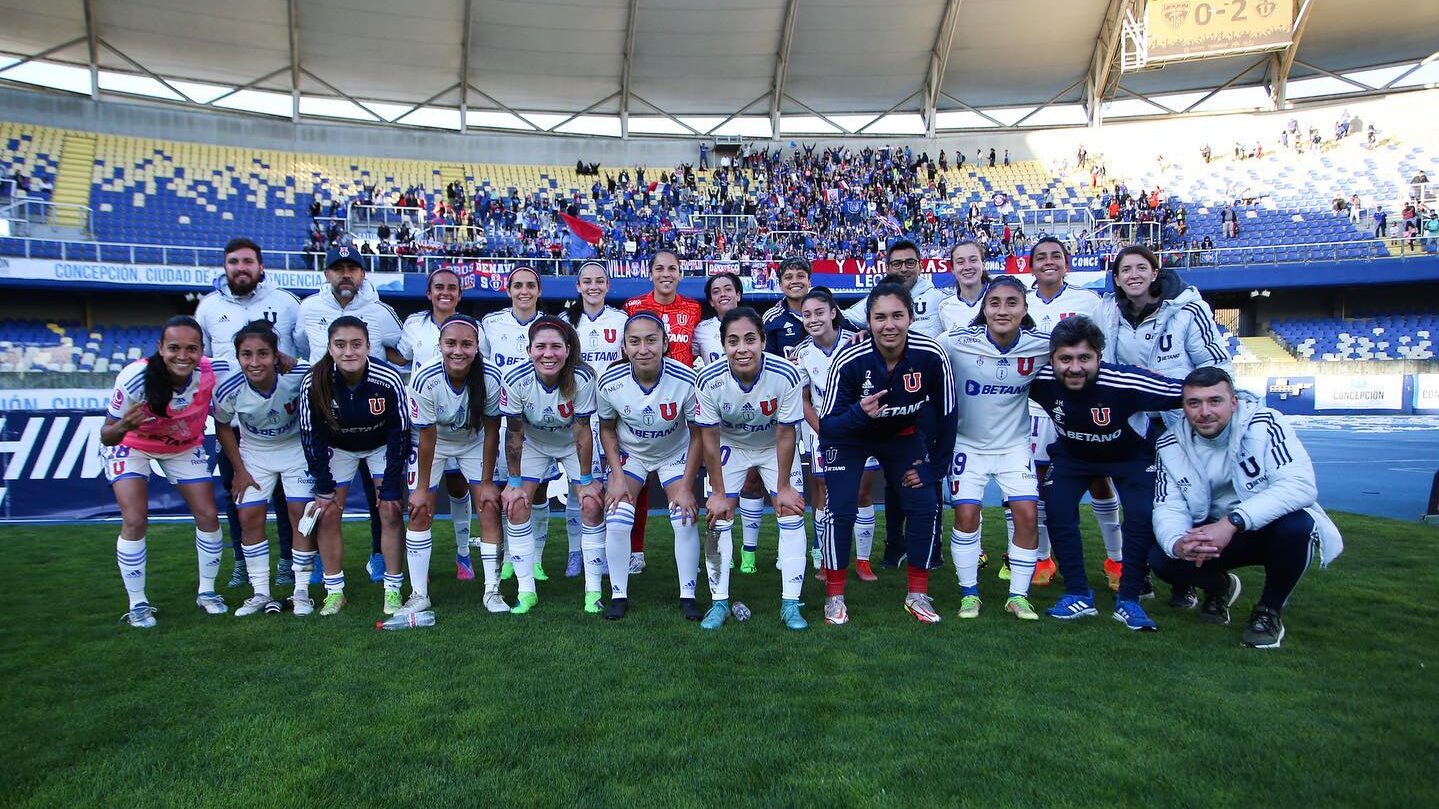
<point>212,603</point>
<point>834,611</point>
<point>140,616</point>
<point>415,603</point>
<point>252,605</point>
<point>494,602</point>
<point>1216,605</point>
<point>1265,629</point>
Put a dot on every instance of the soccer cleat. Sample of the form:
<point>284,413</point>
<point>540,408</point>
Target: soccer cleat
<point>274,608</point>
<point>1265,629</point>
<point>1073,606</point>
<point>747,562</point>
<point>507,571</point>
<point>1216,605</point>
<point>983,560</point>
<point>301,604</point>
<point>284,574</point>
<point>252,605</point>
<point>464,568</point>
<point>1133,616</point>
<point>1004,574</point>
<point>376,567</point>
<point>689,610</point>
<point>789,614</point>
<point>1019,607</point>
<point>317,574</point>
<point>969,606</point>
<point>140,616</point>
<point>393,602</point>
<point>921,607</point>
<point>540,574</point>
<point>1184,598</point>
<point>716,615</point>
<point>617,609</point>
<point>575,564</point>
<point>493,601</point>
<point>211,602</point>
<point>863,571</point>
<point>1146,589</point>
<point>592,603</point>
<point>637,562</point>
<point>334,602</point>
<point>239,576</point>
<point>890,564</point>
<point>1113,571</point>
<point>835,613</point>
<point>415,603</point>
<point>524,602</point>
<point>1044,571</point>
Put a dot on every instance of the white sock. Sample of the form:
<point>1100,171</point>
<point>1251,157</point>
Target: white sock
<point>1106,513</point>
<point>418,545</point>
<point>301,563</point>
<point>540,529</point>
<point>130,555</point>
<point>207,548</point>
<point>521,541</point>
<point>335,582</point>
<point>574,528</point>
<point>592,544</point>
<point>1043,531</point>
<point>1021,569</point>
<point>490,561</point>
<point>617,548</point>
<point>461,511</point>
<point>257,565</point>
<point>791,557</point>
<point>964,549</point>
<point>718,566</point>
<point>751,511</point>
<point>864,532</point>
<point>394,581</point>
<point>1008,525</point>
<point>687,554</point>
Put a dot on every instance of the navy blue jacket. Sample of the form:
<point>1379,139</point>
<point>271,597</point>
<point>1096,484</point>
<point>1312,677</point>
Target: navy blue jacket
<point>1108,420</point>
<point>783,329</point>
<point>371,415</point>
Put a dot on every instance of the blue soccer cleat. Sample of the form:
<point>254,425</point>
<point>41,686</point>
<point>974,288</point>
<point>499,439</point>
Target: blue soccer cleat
<point>376,566</point>
<point>789,614</point>
<point>1133,616</point>
<point>715,617</point>
<point>1073,606</point>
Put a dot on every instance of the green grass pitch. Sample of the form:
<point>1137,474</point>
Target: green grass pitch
<point>558,708</point>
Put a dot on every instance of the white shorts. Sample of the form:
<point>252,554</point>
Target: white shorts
<point>668,471</point>
<point>269,465</point>
<point>971,472</point>
<point>502,466</point>
<point>538,466</point>
<point>188,466</point>
<point>737,463</point>
<point>470,465</point>
<point>1041,435</point>
<point>344,464</point>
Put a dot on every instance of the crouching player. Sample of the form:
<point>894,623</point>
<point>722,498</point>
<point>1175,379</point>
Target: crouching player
<point>1236,488</point>
<point>749,406</point>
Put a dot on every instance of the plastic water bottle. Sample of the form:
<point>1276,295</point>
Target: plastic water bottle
<point>408,620</point>
<point>739,611</point>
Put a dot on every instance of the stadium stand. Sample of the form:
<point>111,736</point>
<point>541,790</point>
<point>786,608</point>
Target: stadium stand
<point>1386,337</point>
<point>65,346</point>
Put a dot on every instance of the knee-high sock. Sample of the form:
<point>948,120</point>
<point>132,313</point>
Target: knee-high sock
<point>717,565</point>
<point>592,545</point>
<point>301,562</point>
<point>574,529</point>
<point>418,545</point>
<point>617,549</point>
<point>791,557</point>
<point>751,511</point>
<point>394,581</point>
<point>521,541</point>
<point>964,549</point>
<point>1043,531</point>
<point>257,565</point>
<point>490,561</point>
<point>335,582</point>
<point>687,554</point>
<point>461,511</point>
<point>130,556</point>
<point>864,532</point>
<point>1106,513</point>
<point>821,526</point>
<point>207,549</point>
<point>540,528</point>
<point>1021,569</point>
<point>1008,525</point>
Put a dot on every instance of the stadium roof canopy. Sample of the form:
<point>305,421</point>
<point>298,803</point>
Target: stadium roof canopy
<point>756,68</point>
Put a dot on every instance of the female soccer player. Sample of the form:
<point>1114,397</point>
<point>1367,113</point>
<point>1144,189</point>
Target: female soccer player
<point>827,335</point>
<point>265,402</point>
<point>419,344</point>
<point>548,403</point>
<point>966,264</point>
<point>892,398</point>
<point>157,413</point>
<point>994,361</point>
<point>645,408</point>
<point>749,406</point>
<point>353,409</point>
<point>455,408</point>
<point>722,293</point>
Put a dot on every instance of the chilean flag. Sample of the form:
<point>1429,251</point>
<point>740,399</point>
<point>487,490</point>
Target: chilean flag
<point>588,231</point>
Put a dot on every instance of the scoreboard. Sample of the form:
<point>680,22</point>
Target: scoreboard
<point>1192,29</point>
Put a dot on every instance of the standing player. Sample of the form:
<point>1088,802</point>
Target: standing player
<point>353,411</point>
<point>722,293</point>
<point>419,344</point>
<point>749,406</point>
<point>157,413</point>
<point>455,408</point>
<point>966,264</point>
<point>827,334</point>
<point>645,408</point>
<point>902,260</point>
<point>891,398</point>
<point>784,323</point>
<point>264,404</point>
<point>994,362</point>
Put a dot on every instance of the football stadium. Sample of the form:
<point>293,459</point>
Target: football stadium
<point>770,402</point>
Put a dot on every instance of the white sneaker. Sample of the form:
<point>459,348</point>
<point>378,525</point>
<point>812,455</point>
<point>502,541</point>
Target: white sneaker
<point>140,616</point>
<point>835,612</point>
<point>211,602</point>
<point>253,604</point>
<point>922,608</point>
<point>302,604</point>
<point>494,602</point>
<point>637,562</point>
<point>416,603</point>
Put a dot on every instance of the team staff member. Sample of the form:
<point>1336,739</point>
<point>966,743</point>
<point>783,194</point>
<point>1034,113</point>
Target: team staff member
<point>1236,488</point>
<point>1100,412</point>
<point>892,398</point>
<point>902,259</point>
<point>783,325</point>
<point>242,295</point>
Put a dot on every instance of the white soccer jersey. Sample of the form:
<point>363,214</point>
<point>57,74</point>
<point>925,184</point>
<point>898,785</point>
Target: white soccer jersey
<point>130,387</point>
<point>434,402</point>
<point>652,424</point>
<point>746,417</point>
<point>958,313</point>
<point>420,339</point>
<point>600,338</point>
<point>1068,302</point>
<point>708,347</point>
<point>814,363</point>
<point>267,420</point>
<point>549,415</point>
<point>995,385</point>
<point>509,339</point>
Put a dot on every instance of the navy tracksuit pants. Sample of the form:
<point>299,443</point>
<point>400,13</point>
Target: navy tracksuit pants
<point>1283,547</point>
<point>920,507</point>
<point>1065,485</point>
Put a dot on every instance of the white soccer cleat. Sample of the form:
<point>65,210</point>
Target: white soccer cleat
<point>835,612</point>
<point>302,604</point>
<point>637,562</point>
<point>494,602</point>
<point>416,603</point>
<point>252,605</point>
<point>140,616</point>
<point>922,608</point>
<point>211,602</point>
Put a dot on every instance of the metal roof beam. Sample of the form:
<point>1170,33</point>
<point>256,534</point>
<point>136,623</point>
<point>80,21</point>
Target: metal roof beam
<point>631,20</point>
<point>1225,86</point>
<point>590,108</point>
<point>498,103</point>
<point>1048,103</point>
<point>42,54</point>
<point>1331,74</point>
<point>816,113</point>
<point>1106,54</point>
<point>465,67</point>
<point>92,50</point>
<point>167,85</point>
<point>741,111</point>
<point>939,62</point>
<point>294,26</point>
<point>781,66</point>
<point>342,94</point>
<point>661,111</point>
<point>882,115</point>
<point>981,113</point>
<point>1284,60</point>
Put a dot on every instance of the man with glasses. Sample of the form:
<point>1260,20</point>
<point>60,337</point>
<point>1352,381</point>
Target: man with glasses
<point>902,259</point>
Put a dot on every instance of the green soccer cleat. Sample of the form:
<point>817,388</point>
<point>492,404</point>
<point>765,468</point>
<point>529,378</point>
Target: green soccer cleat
<point>1004,568</point>
<point>524,603</point>
<point>1019,607</point>
<point>334,602</point>
<point>969,606</point>
<point>540,573</point>
<point>393,602</point>
<point>507,571</point>
<point>789,614</point>
<point>715,617</point>
<point>747,563</point>
<point>592,603</point>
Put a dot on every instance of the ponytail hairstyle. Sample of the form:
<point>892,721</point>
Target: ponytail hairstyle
<point>571,339</point>
<point>824,295</point>
<point>159,390</point>
<point>1005,281</point>
<point>475,379</point>
<point>322,372</point>
<point>263,329</point>
<point>576,310</point>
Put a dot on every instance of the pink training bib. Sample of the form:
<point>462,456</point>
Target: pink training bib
<point>177,432</point>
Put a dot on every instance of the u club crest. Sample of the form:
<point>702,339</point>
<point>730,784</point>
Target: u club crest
<point>668,410</point>
<point>377,405</point>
